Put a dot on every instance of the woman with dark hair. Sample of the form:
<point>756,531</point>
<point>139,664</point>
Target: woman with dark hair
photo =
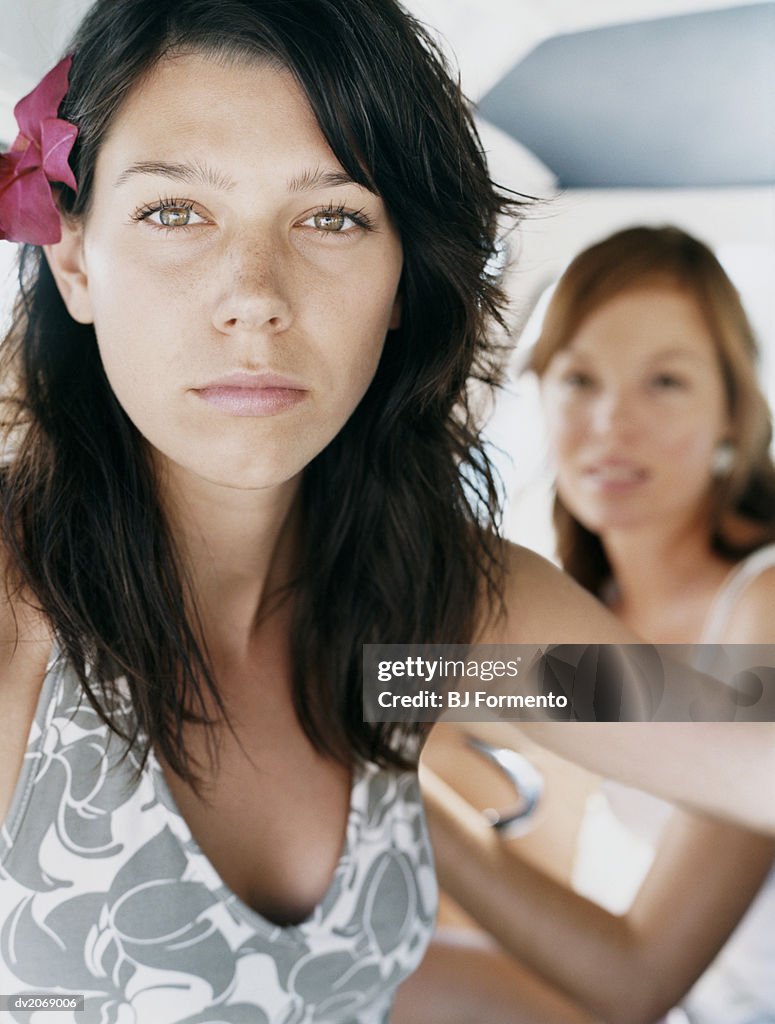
<point>236,418</point>
<point>665,511</point>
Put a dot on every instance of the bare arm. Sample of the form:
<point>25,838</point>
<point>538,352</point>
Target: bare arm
<point>719,768</point>
<point>628,969</point>
<point>25,645</point>
<point>724,769</point>
<point>621,969</point>
<point>462,982</point>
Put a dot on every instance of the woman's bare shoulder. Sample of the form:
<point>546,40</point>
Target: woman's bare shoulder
<point>543,605</point>
<point>24,633</point>
<point>752,621</point>
<point>25,644</point>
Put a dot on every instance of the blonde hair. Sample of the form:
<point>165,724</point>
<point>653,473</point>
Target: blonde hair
<point>642,256</point>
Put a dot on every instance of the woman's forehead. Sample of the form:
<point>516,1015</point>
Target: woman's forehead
<point>184,89</point>
<point>644,323</point>
<point>197,109</point>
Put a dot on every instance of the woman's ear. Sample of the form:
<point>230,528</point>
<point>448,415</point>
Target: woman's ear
<point>67,264</point>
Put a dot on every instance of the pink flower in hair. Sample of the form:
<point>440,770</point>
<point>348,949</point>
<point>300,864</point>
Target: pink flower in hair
<point>37,157</point>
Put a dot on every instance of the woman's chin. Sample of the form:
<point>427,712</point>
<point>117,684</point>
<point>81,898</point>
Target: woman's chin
<point>616,519</point>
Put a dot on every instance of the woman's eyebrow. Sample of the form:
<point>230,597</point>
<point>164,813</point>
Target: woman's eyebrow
<point>189,173</point>
<point>203,174</point>
<point>570,354</point>
<point>309,180</point>
<point>676,353</point>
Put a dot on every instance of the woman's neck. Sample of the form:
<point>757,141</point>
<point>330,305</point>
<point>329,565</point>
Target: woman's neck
<point>237,548</point>
<point>665,581</point>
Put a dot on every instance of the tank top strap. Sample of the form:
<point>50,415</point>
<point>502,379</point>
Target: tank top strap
<point>732,589</point>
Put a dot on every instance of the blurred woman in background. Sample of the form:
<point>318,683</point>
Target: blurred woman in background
<point>665,510</point>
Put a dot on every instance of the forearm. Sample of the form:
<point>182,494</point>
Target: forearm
<point>724,769</point>
<point>694,752</point>
<point>466,982</point>
<point>592,956</point>
<point>720,768</point>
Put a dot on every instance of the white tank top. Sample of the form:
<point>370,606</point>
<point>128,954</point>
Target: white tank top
<point>739,986</point>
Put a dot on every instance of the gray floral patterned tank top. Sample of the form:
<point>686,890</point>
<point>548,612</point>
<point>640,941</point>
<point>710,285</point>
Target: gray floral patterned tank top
<point>104,892</point>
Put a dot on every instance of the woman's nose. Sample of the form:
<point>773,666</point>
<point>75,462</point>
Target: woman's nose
<point>254,292</point>
<point>615,413</point>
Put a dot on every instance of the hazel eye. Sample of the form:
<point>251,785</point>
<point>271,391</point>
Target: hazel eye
<point>334,220</point>
<point>330,220</point>
<point>170,215</point>
<point>175,216</point>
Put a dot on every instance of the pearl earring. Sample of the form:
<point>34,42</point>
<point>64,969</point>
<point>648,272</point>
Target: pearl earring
<point>723,460</point>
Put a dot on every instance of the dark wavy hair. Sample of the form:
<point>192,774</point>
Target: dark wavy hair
<point>399,514</point>
<point>741,504</point>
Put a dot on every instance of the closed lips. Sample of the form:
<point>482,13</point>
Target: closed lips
<point>259,394</point>
<point>252,382</point>
<point>616,472</point>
